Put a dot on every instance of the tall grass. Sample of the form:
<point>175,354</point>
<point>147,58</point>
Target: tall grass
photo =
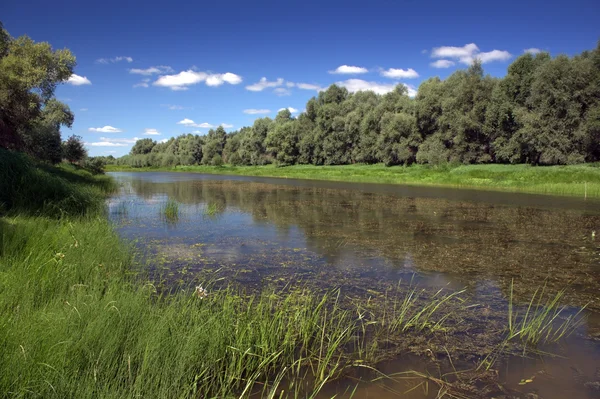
<point>30,188</point>
<point>541,321</point>
<point>170,210</point>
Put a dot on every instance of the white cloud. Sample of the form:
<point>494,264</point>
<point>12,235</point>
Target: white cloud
<point>292,110</point>
<point>110,152</point>
<point>354,85</point>
<point>77,80</point>
<point>191,77</point>
<point>190,123</point>
<point>113,60</point>
<point>348,69</point>
<point>186,122</point>
<point>532,50</point>
<point>151,132</point>
<point>83,109</point>
<point>253,111</point>
<point>123,141</point>
<point>494,55</point>
<point>400,73</point>
<point>106,144</point>
<point>282,91</point>
<point>152,70</point>
<point>163,140</point>
<point>218,79</point>
<point>110,142</point>
<point>263,83</point>
<point>308,86</point>
<point>226,125</point>
<point>290,84</point>
<point>105,129</point>
<point>442,64</point>
<point>468,53</point>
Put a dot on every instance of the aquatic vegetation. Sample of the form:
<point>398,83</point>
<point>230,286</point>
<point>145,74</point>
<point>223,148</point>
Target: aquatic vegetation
<point>543,320</point>
<point>170,210</point>
<point>211,209</point>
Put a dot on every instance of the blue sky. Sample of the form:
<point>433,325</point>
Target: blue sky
<point>166,68</point>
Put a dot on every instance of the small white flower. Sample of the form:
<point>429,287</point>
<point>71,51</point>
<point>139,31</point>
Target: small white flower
<point>200,292</point>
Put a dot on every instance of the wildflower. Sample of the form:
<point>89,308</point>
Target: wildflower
<point>593,235</point>
<point>200,292</point>
<point>59,256</point>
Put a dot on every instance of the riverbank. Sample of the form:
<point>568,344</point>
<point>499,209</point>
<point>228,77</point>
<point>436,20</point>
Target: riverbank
<point>80,318</point>
<point>573,180</point>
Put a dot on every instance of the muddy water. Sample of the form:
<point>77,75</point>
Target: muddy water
<point>366,238</point>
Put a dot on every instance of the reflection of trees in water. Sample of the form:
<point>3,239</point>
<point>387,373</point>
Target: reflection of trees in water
<point>530,245</point>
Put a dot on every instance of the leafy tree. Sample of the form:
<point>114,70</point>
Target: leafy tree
<point>74,150</point>
<point>143,146</point>
<point>29,74</point>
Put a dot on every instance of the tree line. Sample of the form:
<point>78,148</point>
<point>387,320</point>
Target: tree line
<point>545,111</point>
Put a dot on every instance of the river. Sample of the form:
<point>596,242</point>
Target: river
<point>366,238</point>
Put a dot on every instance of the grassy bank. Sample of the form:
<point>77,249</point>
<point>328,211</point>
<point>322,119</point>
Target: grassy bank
<point>575,180</point>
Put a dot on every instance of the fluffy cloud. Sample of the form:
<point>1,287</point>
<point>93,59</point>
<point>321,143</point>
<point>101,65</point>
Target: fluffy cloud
<point>105,129</point>
<point>354,85</point>
<point>77,80</point>
<point>226,125</point>
<point>253,111</point>
<point>113,60</point>
<point>263,83</point>
<point>532,50</point>
<point>400,73</point>
<point>163,140</point>
<point>190,123</point>
<point>308,86</point>
<point>152,70</point>
<point>442,64</point>
<point>151,132</point>
<point>348,69</point>
<point>292,110</point>
<point>110,142</point>
<point>468,53</point>
<point>183,79</point>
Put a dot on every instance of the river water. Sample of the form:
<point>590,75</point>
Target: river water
<point>365,238</point>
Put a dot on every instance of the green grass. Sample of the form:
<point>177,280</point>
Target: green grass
<point>38,189</point>
<point>170,210</point>
<point>573,180</point>
<point>541,321</point>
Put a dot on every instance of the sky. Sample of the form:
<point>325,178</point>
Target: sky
<point>161,69</point>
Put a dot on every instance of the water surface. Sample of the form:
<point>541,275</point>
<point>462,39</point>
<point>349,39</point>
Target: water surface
<point>365,238</point>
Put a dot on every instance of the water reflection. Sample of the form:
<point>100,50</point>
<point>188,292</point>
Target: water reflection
<point>267,228</point>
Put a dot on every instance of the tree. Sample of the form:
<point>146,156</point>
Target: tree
<point>74,150</point>
<point>143,146</point>
<point>29,74</point>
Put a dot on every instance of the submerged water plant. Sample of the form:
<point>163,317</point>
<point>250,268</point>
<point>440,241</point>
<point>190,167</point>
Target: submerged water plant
<point>544,320</point>
<point>170,210</point>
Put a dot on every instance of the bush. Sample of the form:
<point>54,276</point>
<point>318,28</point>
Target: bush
<point>217,160</point>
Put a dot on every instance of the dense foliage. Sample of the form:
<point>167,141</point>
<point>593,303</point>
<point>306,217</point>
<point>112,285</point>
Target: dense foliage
<point>545,111</point>
<point>30,115</point>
